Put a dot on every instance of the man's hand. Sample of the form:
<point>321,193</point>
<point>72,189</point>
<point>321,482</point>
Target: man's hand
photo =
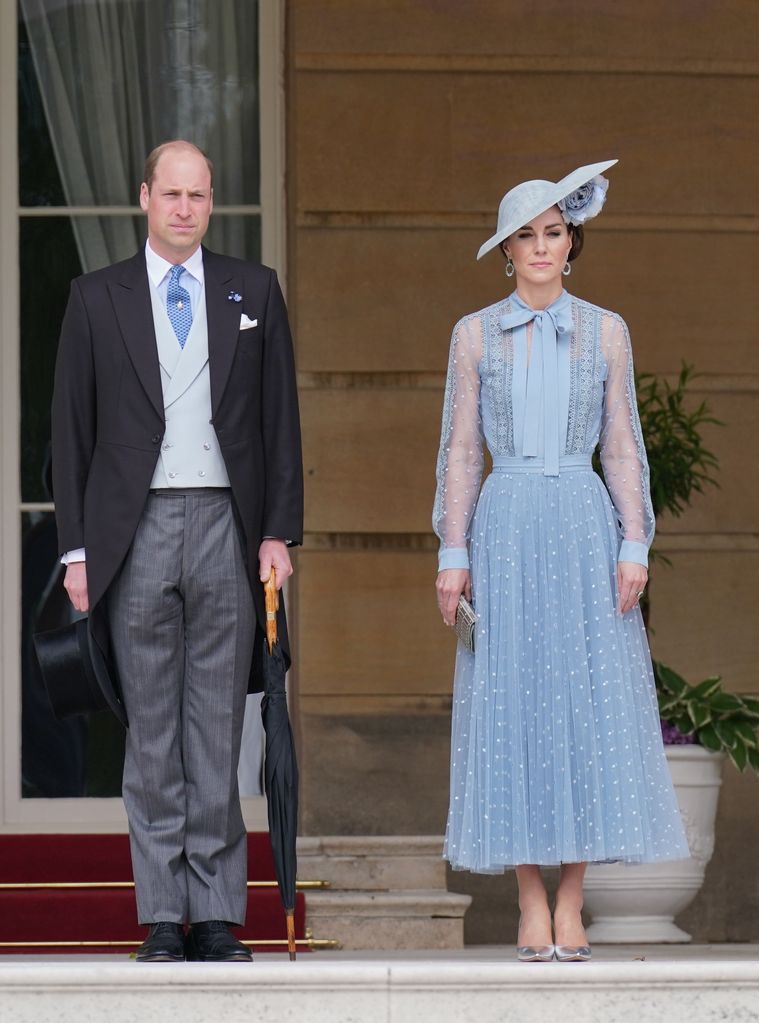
<point>451,583</point>
<point>75,584</point>
<point>274,554</point>
<point>631,582</point>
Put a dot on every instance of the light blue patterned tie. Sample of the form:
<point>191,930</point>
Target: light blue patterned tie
<point>178,306</point>
<point>543,374</point>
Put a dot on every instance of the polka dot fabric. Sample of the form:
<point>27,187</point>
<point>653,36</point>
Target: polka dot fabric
<point>556,752</point>
<point>178,306</point>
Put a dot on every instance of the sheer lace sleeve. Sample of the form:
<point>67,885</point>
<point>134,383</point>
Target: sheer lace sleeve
<point>460,461</point>
<point>623,455</point>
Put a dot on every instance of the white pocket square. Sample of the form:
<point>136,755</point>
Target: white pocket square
<point>246,324</point>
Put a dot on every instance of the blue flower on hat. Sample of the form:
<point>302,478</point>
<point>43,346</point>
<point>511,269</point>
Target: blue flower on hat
<point>233,296</point>
<point>585,202</point>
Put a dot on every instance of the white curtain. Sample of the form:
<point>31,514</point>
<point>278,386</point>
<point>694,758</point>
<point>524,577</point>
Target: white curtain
<point>118,77</point>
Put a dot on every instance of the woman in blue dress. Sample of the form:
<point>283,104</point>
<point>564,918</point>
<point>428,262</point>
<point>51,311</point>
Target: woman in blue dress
<point>556,752</point>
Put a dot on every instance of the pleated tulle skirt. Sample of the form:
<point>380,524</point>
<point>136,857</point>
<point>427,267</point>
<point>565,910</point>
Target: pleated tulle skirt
<point>556,752</point>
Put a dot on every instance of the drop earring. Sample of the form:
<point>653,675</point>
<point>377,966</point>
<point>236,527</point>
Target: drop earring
<point>567,269</point>
<point>509,267</point>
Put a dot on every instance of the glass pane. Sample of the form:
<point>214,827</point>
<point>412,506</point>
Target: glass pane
<point>52,252</point>
<point>118,77</point>
<point>48,261</point>
<point>39,180</point>
<point>81,756</point>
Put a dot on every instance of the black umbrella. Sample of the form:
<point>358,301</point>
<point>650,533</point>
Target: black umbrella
<point>280,766</point>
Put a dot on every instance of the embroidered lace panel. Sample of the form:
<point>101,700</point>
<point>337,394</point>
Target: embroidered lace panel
<point>582,361</point>
<point>499,350</point>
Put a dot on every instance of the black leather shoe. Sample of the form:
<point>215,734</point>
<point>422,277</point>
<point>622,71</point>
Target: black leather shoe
<point>164,944</point>
<point>211,941</point>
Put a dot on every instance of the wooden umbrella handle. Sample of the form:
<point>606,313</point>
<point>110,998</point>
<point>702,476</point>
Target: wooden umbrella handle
<point>271,597</point>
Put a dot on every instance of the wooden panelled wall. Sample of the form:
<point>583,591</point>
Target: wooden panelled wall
<point>407,121</point>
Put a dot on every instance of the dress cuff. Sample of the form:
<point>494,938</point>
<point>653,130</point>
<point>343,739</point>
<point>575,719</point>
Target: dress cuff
<point>453,557</point>
<point>631,550</point>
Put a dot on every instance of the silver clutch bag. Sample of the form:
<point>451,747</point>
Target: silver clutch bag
<point>466,620</point>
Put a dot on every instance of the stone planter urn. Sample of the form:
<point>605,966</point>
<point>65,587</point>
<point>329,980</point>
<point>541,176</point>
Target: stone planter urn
<point>637,902</point>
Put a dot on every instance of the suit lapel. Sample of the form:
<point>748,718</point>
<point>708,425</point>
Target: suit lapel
<point>223,315</point>
<point>166,340</point>
<point>130,295</point>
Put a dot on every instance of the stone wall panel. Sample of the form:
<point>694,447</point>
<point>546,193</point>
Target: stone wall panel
<point>369,459</point>
<point>711,30</point>
<point>384,299</point>
<point>369,625</point>
<point>431,142</point>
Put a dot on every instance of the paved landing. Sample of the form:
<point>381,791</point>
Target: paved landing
<point>477,985</point>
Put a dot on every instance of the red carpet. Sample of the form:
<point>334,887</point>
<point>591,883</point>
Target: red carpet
<point>97,916</point>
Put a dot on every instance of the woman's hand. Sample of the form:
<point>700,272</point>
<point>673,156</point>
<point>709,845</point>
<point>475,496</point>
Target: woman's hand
<point>451,583</point>
<point>631,582</point>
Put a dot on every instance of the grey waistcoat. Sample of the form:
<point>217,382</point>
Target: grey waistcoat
<point>190,455</point>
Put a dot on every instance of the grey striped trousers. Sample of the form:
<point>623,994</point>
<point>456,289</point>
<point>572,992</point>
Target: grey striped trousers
<point>182,620</point>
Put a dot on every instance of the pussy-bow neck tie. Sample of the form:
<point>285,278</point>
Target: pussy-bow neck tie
<point>543,372</point>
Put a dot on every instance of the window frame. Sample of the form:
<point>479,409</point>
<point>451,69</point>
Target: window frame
<point>87,813</point>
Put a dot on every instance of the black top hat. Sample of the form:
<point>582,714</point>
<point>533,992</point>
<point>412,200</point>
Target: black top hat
<point>75,672</point>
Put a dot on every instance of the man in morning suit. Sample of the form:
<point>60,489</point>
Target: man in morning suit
<point>178,487</point>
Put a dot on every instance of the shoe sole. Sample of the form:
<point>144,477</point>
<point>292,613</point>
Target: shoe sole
<point>160,959</point>
<point>220,959</point>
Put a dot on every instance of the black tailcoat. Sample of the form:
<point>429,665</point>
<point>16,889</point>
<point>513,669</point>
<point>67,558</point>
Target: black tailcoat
<point>108,417</point>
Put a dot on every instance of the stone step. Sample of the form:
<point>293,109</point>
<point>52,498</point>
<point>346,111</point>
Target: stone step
<point>386,892</point>
<point>368,862</point>
<point>407,919</point>
<point>321,989</point>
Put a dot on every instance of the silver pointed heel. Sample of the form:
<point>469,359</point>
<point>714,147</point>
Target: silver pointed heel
<point>573,953</point>
<point>535,953</point>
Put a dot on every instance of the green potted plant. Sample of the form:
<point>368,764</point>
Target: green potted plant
<point>679,463</point>
<point>706,714</point>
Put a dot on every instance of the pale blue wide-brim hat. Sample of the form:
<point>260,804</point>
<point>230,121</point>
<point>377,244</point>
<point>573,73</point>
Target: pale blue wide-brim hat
<point>526,201</point>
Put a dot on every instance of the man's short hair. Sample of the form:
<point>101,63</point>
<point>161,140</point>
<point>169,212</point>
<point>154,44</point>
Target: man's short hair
<point>155,155</point>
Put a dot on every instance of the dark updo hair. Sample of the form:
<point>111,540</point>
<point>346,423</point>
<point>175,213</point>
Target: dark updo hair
<point>576,234</point>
